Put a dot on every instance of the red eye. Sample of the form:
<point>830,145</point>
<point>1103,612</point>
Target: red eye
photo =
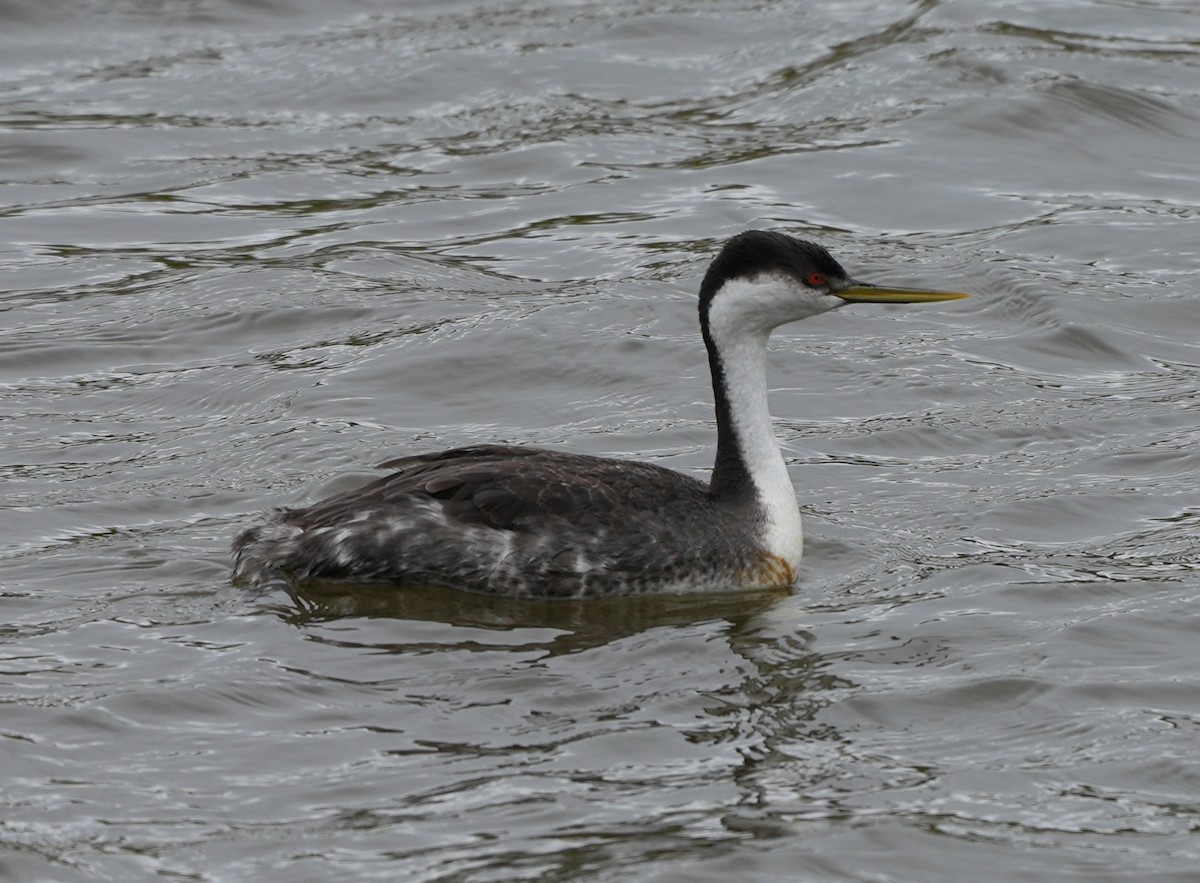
<point>815,280</point>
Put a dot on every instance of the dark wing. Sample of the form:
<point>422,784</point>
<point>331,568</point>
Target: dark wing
<point>513,488</point>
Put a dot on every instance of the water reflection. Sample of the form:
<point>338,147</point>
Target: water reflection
<point>574,625</point>
<point>714,705</point>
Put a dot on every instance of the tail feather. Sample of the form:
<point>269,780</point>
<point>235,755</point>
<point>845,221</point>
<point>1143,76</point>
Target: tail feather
<point>260,553</point>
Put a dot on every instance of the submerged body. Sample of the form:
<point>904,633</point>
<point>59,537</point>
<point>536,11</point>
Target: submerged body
<point>539,523</point>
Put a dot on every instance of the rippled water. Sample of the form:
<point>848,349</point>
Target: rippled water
<point>248,249</point>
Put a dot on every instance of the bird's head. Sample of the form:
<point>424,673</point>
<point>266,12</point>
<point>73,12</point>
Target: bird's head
<point>763,279</point>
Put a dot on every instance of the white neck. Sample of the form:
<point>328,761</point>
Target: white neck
<point>740,337</point>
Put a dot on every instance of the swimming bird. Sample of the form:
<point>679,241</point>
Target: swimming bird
<point>525,521</point>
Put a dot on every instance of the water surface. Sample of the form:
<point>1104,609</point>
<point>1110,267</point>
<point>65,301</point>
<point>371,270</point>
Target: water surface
<point>250,248</point>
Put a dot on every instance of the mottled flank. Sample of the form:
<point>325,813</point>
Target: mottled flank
<point>522,522</point>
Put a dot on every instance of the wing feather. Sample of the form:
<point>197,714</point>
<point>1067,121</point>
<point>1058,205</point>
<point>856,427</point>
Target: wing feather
<point>511,488</point>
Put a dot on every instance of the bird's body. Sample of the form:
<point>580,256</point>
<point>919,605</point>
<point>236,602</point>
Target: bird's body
<point>533,522</point>
<point>524,521</point>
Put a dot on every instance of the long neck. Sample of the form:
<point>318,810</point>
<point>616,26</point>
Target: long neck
<point>748,462</point>
<point>749,472</point>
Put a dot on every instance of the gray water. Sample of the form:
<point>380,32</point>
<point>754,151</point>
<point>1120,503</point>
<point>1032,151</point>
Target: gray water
<point>249,248</point>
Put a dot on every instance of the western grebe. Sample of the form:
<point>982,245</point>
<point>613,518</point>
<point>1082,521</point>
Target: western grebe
<point>538,523</point>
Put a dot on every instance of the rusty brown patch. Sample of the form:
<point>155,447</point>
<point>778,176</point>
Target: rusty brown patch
<point>770,572</point>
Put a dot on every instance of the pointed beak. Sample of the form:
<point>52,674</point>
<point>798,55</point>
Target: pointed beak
<point>864,292</point>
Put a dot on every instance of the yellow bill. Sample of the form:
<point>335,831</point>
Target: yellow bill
<point>863,292</point>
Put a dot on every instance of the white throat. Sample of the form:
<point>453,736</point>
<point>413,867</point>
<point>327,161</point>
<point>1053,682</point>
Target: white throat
<point>740,321</point>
